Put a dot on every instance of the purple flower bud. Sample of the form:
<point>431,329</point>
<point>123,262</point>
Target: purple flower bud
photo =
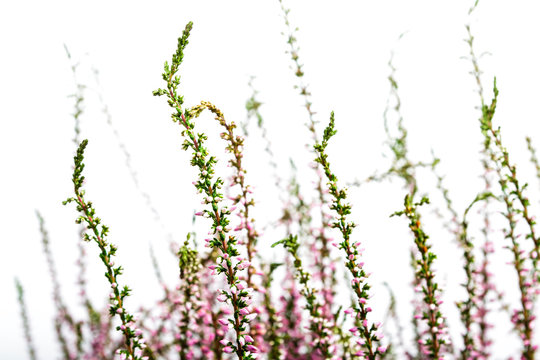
<point>249,339</point>
<point>252,348</point>
<point>244,311</point>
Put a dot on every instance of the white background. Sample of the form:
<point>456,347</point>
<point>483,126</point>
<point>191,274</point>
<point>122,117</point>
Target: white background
<point>345,46</point>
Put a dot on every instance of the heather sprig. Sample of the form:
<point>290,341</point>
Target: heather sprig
<point>79,100</point>
<point>319,325</point>
<point>360,286</point>
<point>134,342</point>
<point>510,177</point>
<point>484,277</point>
<point>190,267</point>
<point>26,323</point>
<point>512,191</point>
<point>229,261</point>
<point>496,157</point>
<point>298,71</point>
<point>244,199</point>
<point>319,234</point>
<point>63,316</point>
<point>433,344</point>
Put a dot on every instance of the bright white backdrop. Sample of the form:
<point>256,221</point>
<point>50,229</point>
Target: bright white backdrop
<point>345,46</point>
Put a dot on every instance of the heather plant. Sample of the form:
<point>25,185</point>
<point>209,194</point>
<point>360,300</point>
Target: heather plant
<point>231,300</point>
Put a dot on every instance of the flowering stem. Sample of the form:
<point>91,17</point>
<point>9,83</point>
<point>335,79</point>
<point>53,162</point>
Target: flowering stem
<point>190,267</point>
<point>63,316</point>
<point>425,275</point>
<point>238,294</point>
<point>133,336</point>
<point>327,278</point>
<point>342,209</point>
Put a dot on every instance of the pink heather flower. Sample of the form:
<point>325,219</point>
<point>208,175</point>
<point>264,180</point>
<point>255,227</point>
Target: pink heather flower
<point>223,321</point>
<point>249,339</point>
<point>244,311</point>
<point>381,349</point>
<point>222,298</point>
<point>251,317</point>
<point>353,329</point>
<point>224,342</point>
<point>228,349</point>
<point>362,300</point>
<point>244,265</point>
<point>349,311</point>
<point>252,348</point>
